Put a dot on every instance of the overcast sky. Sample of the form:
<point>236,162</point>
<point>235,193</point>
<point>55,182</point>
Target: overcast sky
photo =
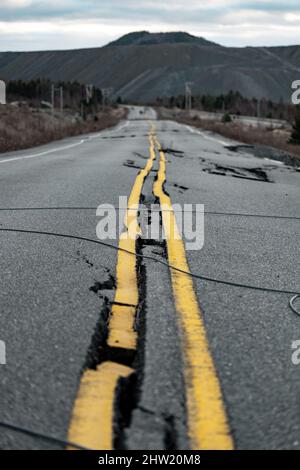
<point>66,24</point>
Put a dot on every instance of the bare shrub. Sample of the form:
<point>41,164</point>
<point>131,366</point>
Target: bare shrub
<point>23,127</point>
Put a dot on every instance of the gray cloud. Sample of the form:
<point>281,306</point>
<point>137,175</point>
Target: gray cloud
<point>231,22</point>
<point>117,9</point>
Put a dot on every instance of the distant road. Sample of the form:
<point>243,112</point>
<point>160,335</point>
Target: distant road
<point>99,339</point>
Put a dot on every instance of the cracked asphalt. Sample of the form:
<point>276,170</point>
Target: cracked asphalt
<point>52,290</point>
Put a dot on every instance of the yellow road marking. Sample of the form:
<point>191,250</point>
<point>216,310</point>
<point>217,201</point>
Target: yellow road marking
<point>92,418</point>
<point>93,413</point>
<point>207,423</point>
<point>121,326</point>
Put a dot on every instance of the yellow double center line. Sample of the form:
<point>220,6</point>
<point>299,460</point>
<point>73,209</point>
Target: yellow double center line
<point>121,325</point>
<point>93,415</point>
<point>92,419</point>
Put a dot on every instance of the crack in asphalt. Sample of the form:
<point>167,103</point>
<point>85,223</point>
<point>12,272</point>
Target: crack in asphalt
<point>252,174</point>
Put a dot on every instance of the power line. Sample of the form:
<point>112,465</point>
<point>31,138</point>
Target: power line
<point>39,435</point>
<point>152,258</point>
<point>141,209</point>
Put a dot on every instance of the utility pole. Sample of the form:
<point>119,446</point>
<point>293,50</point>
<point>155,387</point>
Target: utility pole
<point>89,90</point>
<point>258,109</point>
<point>60,91</point>
<point>106,93</point>
<point>223,106</point>
<point>52,97</point>
<point>61,94</point>
<point>188,95</point>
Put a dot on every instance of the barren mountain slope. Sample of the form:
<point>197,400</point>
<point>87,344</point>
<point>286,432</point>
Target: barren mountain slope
<point>142,66</point>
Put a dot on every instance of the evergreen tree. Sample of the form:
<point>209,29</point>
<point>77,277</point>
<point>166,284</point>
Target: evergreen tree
<point>226,118</point>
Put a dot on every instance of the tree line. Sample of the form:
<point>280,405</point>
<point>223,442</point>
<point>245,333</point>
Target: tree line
<point>36,91</point>
<point>234,103</point>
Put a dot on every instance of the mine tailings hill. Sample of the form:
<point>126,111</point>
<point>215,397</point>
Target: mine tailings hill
<point>142,66</point>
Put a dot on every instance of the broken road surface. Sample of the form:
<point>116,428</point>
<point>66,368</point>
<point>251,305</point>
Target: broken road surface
<point>107,348</point>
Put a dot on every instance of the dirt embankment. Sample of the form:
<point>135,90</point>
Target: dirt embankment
<point>24,127</point>
<point>265,142</point>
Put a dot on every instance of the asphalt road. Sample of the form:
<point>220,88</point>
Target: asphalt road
<point>55,290</point>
